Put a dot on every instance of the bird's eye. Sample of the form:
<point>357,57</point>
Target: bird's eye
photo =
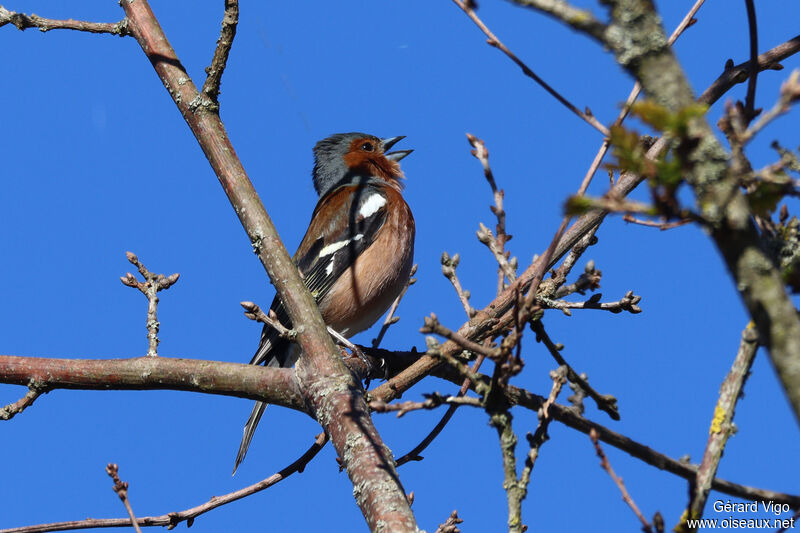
<point>367,147</point>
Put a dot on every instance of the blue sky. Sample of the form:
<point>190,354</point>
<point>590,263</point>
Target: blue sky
<point>98,161</point>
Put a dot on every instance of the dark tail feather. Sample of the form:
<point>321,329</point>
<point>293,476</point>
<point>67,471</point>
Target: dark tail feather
<point>274,352</point>
<point>249,429</point>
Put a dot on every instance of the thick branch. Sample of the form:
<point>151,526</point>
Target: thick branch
<point>274,385</point>
<point>258,383</point>
<point>641,51</point>
<point>640,46</point>
<point>328,387</point>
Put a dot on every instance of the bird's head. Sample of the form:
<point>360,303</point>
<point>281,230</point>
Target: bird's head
<point>356,154</point>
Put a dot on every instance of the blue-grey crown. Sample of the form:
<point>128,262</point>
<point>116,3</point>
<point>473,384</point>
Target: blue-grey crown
<point>329,165</point>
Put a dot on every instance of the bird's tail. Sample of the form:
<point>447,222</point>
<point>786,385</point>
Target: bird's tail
<point>249,429</point>
<point>276,353</point>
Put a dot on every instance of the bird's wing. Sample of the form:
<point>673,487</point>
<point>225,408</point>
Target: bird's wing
<point>353,216</point>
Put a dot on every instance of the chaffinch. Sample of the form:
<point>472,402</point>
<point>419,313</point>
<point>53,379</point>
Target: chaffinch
<point>357,253</point>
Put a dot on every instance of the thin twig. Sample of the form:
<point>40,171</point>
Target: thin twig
<point>464,371</point>
<point>496,247</point>
<point>626,303</point>
<point>605,402</point>
<point>390,316</point>
<point>733,74</point>
<point>214,71</point>
<point>355,350</point>
<point>615,204</point>
<point>495,42</point>
<point>540,436</point>
<point>121,488</point>
<point>663,225</point>
<point>152,285</point>
<point>750,100</point>
<point>449,265</point>
<point>790,93</point>
<point>170,520</point>
<point>542,267</point>
<point>688,20</point>
<point>588,280</point>
<point>559,377</point>
<point>254,312</point>
<point>722,423</point>
<point>432,401</point>
<point>450,525</point>
<point>432,325</point>
<point>618,480</point>
<point>414,454</point>
<point>23,22</point>
<point>507,269</point>
<point>34,391</point>
<point>515,491</point>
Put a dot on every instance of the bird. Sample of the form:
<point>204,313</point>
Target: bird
<point>357,253</point>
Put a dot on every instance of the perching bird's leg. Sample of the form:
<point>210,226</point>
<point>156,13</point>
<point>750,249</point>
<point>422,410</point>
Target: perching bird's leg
<point>353,348</point>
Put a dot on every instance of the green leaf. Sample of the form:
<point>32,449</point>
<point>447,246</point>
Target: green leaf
<point>577,205</point>
<point>629,152</point>
<point>652,113</point>
<point>765,196</point>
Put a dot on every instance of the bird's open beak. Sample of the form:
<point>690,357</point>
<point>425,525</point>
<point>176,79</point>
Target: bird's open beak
<point>388,142</point>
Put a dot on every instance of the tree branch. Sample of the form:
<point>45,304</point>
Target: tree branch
<point>495,42</point>
<point>605,402</point>
<point>646,527</point>
<point>256,383</point>
<point>732,75</point>
<point>391,318</point>
<point>34,391</point>
<point>750,99</point>
<point>214,71</point>
<point>23,22</point>
<point>152,285</point>
<point>569,417</point>
<point>328,387</point>
<point>721,424</point>
<point>121,488</point>
<point>274,385</point>
<point>170,520</point>
<point>637,39</point>
<point>494,318</point>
